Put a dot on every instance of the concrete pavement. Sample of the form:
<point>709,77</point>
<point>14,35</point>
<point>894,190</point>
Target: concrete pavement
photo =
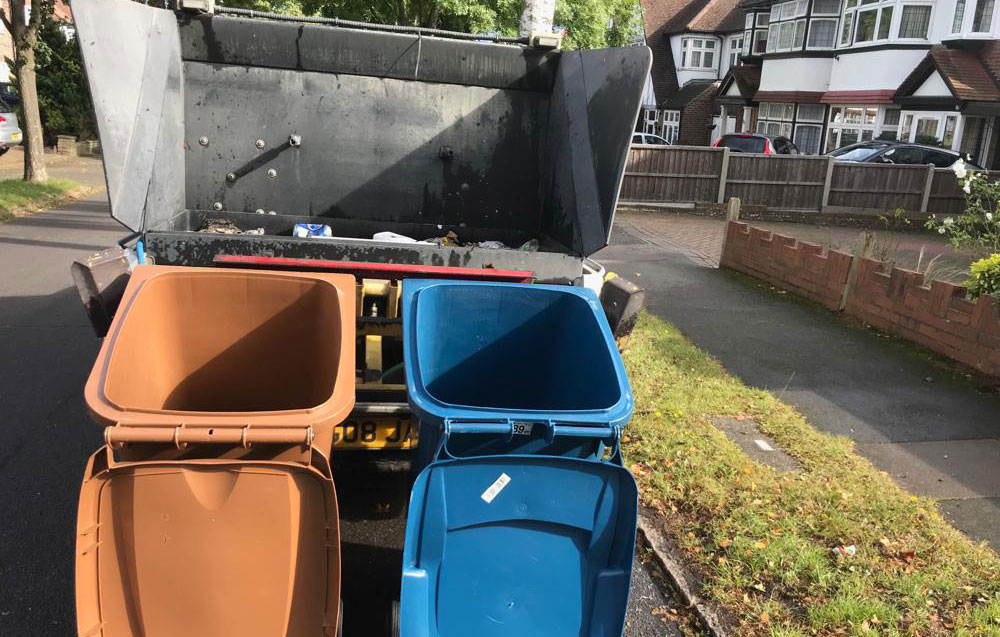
<point>930,428</point>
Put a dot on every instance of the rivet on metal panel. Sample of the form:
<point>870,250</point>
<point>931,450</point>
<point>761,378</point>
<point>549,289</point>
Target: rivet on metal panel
<point>217,206</point>
<point>259,143</point>
<point>260,211</point>
<point>272,173</point>
<point>295,140</point>
<point>271,212</point>
<point>230,177</point>
<point>203,140</point>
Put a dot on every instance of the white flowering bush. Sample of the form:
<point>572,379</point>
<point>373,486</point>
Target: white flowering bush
<point>976,230</point>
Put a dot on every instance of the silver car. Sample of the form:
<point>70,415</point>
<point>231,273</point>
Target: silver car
<point>10,130</point>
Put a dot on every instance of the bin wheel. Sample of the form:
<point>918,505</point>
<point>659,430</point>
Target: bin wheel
<point>340,620</point>
<point>392,619</point>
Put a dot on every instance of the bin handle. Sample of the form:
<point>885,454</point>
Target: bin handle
<point>607,433</point>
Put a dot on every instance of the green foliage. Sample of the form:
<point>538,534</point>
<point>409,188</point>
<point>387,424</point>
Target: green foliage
<point>984,277</point>
<point>588,23</point>
<point>63,98</point>
<point>977,230</point>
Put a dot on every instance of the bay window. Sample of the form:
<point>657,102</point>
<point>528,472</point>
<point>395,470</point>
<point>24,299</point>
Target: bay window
<point>697,53</point>
<point>956,21</point>
<point>787,26</point>
<point>809,128</point>
<point>870,21</point>
<point>851,124</point>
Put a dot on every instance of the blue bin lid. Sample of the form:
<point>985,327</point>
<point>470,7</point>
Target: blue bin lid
<point>495,548</point>
<point>488,351</point>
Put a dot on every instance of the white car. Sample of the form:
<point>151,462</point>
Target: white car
<point>649,138</point>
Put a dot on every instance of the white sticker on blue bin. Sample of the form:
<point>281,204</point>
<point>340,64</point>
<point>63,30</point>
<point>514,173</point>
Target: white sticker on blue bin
<point>523,428</point>
<point>495,488</point>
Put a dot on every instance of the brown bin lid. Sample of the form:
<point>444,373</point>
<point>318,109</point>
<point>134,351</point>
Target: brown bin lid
<point>208,547</point>
<point>227,348</point>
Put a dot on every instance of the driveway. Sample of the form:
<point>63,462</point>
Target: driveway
<point>935,432</point>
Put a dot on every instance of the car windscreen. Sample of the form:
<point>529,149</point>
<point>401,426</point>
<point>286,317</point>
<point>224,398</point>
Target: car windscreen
<point>744,144</point>
<point>858,153</point>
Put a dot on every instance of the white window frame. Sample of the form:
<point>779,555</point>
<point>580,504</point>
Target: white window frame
<point>941,117</point>
<point>735,50</point>
<point>836,34</point>
<point>690,46</point>
<point>849,20</point>
<point>866,130</point>
<point>671,125</point>
<point>819,146</point>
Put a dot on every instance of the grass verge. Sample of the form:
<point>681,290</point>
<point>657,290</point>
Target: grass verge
<point>761,540</point>
<point>18,197</point>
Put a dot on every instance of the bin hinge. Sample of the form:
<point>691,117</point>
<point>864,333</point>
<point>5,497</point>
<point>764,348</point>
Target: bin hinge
<point>183,435</point>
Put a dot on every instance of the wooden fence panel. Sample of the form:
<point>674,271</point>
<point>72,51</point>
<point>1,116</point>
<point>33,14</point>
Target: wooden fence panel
<point>878,186</point>
<point>947,197</point>
<point>787,182</point>
<point>672,174</point>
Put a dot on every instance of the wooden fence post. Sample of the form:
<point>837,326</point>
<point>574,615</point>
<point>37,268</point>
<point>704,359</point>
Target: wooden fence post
<point>825,201</point>
<point>861,250</point>
<point>927,188</point>
<point>723,174</point>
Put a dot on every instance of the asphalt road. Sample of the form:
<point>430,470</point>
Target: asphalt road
<point>46,351</point>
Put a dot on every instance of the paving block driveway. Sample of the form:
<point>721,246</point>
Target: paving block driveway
<point>934,432</point>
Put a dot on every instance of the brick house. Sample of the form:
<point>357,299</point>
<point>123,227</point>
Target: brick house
<point>828,73</point>
<point>694,44</point>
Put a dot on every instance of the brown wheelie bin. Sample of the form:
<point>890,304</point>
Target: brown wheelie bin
<point>211,510</point>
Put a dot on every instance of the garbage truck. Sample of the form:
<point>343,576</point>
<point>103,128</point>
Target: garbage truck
<point>280,179</point>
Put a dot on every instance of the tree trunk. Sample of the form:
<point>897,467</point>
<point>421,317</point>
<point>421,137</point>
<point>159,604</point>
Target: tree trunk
<point>537,16</point>
<point>34,145</point>
<point>25,39</point>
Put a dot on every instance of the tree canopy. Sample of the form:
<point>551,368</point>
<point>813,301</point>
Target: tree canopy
<point>588,23</point>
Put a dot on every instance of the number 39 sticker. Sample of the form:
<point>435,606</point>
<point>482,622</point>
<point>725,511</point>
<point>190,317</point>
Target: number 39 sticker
<point>523,428</point>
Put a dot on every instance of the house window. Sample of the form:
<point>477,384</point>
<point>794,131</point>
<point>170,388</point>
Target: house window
<point>759,41</point>
<point>956,21</point>
<point>826,7</point>
<point>927,131</point>
<point>697,53</point>
<point>948,138</point>
<point>671,125</point>
<point>982,17</point>
<point>735,47</point>
<point>809,137</point>
<point>865,29</point>
<point>811,113</point>
<point>890,125</point>
<point>904,130</point>
<point>851,124</point>
<point>774,118</point>
<point>787,28</point>
<point>914,21</point>
<point>822,33</point>
<point>846,29</point>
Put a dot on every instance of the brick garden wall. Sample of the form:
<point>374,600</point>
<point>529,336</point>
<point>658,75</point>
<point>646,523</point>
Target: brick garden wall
<point>893,300</point>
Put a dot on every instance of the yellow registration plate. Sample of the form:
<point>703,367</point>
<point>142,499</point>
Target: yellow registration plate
<point>15,136</point>
<point>375,432</point>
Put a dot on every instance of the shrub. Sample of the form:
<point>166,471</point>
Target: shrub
<point>977,230</point>
<point>984,277</point>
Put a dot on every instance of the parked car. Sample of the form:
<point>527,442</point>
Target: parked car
<point>649,138</point>
<point>755,143</point>
<point>10,131</point>
<point>888,152</point>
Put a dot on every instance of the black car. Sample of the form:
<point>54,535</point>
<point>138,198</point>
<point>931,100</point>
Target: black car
<point>886,152</point>
<point>756,143</point>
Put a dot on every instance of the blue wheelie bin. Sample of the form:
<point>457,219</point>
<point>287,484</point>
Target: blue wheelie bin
<point>530,357</point>
<point>517,524</point>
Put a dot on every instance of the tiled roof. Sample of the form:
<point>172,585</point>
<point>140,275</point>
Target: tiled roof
<point>688,93</point>
<point>963,71</point>
<point>747,78</point>
<point>719,16</point>
<point>670,16</point>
